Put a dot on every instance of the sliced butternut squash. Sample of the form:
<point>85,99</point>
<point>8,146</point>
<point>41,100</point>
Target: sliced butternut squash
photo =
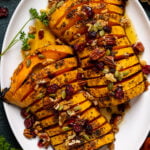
<point>97,143</point>
<point>65,78</point>
<point>129,94</point>
<point>127,85</point>
<point>94,121</point>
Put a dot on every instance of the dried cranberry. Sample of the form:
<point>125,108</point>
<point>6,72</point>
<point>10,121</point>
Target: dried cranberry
<point>29,122</point>
<point>77,128</point>
<point>69,91</point>
<point>24,113</point>
<point>80,122</point>
<point>88,128</point>
<point>40,143</point>
<point>52,88</point>
<point>79,47</point>
<point>91,35</point>
<point>41,34</point>
<point>119,94</point>
<point>88,10</point>
<point>107,29</point>
<point>146,69</point>
<point>3,12</point>
<point>100,66</point>
<point>71,121</point>
<point>80,76</point>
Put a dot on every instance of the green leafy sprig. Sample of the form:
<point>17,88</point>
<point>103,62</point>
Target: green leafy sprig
<point>25,38</point>
<point>42,16</point>
<point>4,145</point>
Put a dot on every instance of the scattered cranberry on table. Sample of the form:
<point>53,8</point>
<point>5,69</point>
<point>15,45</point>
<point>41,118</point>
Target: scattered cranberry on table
<point>3,12</point>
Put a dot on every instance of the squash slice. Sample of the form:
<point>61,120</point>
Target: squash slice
<point>51,52</point>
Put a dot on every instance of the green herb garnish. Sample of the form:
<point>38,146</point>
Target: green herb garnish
<point>4,145</point>
<point>42,16</point>
<point>25,40</point>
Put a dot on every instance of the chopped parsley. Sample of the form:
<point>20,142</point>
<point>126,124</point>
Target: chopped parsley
<point>42,16</point>
<point>25,40</point>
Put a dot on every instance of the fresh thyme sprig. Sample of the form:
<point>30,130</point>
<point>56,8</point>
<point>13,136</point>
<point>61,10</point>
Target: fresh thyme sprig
<point>42,16</point>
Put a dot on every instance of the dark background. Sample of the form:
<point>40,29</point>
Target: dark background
<point>4,126</point>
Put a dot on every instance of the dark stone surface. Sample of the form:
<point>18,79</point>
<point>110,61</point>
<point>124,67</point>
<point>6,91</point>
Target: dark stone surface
<point>4,126</point>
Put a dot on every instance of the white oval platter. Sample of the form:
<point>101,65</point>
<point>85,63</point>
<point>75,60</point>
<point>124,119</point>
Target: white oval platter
<point>136,124</point>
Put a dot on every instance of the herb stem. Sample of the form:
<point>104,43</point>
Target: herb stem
<point>15,40</point>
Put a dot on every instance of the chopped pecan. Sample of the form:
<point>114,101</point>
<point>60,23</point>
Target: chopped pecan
<point>138,47</point>
<point>107,41</point>
<point>28,133</point>
<point>62,118</point>
<point>109,60</point>
<point>97,54</point>
<point>110,40</point>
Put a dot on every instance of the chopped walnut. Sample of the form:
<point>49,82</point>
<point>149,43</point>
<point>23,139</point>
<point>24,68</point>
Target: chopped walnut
<point>62,118</point>
<point>59,42</point>
<point>125,22</point>
<point>70,112</point>
<point>138,47</point>
<point>88,96</point>
<point>110,77</point>
<point>143,62</point>
<point>74,142</point>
